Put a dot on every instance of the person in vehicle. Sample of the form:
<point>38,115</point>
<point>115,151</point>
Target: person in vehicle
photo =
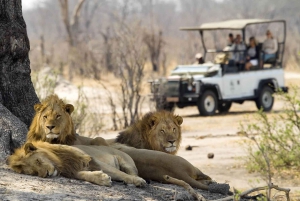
<point>230,40</point>
<point>252,54</point>
<point>238,49</point>
<point>270,47</point>
<point>199,59</point>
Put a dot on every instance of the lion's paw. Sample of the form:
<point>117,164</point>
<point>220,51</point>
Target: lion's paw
<point>138,181</point>
<point>102,179</point>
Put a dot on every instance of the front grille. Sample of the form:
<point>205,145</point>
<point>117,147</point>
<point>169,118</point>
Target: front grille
<point>172,88</point>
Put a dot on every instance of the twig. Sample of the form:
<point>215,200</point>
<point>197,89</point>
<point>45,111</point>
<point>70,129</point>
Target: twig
<point>186,186</point>
<point>287,191</point>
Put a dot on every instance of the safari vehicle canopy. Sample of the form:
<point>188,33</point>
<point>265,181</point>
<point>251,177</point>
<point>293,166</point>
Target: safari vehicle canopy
<point>239,24</point>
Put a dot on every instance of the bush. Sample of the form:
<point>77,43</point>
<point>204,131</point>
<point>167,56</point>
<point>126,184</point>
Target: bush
<point>277,144</point>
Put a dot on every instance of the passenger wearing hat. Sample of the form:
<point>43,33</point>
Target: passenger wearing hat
<point>199,59</point>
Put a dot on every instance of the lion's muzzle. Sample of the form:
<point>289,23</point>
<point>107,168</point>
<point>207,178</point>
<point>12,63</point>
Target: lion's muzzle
<point>52,136</point>
<point>53,174</point>
<point>170,149</point>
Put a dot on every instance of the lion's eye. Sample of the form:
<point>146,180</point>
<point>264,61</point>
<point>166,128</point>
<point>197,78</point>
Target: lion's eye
<point>162,131</point>
<point>58,116</point>
<point>38,162</point>
<point>45,117</point>
<point>174,130</point>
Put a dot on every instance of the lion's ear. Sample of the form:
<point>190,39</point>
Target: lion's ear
<point>37,107</point>
<point>29,147</point>
<point>179,120</point>
<point>69,108</point>
<point>152,121</point>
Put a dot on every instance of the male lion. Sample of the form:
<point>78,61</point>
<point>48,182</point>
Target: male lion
<point>53,123</point>
<point>154,165</point>
<point>158,131</point>
<point>80,162</point>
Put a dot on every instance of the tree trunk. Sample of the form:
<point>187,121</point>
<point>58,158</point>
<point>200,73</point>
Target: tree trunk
<point>17,94</point>
<point>12,132</point>
<point>17,91</point>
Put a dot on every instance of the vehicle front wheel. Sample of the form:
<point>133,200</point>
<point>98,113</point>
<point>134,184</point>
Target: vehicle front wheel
<point>265,99</point>
<point>207,103</point>
<point>224,107</point>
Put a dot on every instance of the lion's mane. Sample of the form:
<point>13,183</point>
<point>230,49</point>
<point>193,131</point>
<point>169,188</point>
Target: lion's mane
<point>52,105</point>
<point>67,160</point>
<point>154,131</point>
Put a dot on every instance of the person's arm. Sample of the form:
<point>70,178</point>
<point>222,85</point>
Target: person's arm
<point>275,45</point>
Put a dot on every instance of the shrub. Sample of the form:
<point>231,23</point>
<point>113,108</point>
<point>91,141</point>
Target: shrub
<point>277,142</point>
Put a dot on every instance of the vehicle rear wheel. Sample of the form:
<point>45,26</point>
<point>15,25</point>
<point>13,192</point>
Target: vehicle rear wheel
<point>207,103</point>
<point>265,99</point>
<point>224,107</point>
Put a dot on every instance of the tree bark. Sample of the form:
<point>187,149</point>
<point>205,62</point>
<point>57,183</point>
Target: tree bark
<point>17,93</point>
<point>12,132</point>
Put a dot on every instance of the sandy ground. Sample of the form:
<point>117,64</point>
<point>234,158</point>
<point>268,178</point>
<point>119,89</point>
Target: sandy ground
<point>217,134</point>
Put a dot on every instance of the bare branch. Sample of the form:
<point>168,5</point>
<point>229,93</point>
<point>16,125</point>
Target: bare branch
<point>184,185</point>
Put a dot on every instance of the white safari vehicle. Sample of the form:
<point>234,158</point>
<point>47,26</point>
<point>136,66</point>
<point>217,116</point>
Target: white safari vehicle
<point>213,86</point>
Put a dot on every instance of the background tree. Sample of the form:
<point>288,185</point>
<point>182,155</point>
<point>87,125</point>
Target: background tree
<point>72,27</point>
<point>17,95</point>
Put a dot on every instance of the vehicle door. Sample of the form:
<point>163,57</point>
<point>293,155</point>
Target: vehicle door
<point>232,86</point>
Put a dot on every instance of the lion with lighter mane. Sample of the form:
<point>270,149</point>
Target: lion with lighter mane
<point>96,164</point>
<point>45,160</point>
<point>53,123</point>
<point>158,131</point>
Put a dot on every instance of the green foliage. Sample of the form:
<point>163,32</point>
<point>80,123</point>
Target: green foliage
<point>277,142</point>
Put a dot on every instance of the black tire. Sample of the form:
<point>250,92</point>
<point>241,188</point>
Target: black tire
<point>265,99</point>
<point>224,107</point>
<point>207,103</point>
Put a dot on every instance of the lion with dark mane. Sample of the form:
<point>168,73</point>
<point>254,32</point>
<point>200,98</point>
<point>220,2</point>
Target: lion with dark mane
<point>158,131</point>
<point>53,123</point>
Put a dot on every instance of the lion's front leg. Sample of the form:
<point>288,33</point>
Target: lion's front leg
<point>116,174</point>
<point>96,177</point>
<point>127,165</point>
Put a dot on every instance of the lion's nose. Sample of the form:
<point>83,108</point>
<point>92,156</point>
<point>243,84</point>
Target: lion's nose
<point>171,141</point>
<point>50,127</point>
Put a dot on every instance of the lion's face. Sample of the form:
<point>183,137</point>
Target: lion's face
<point>52,122</point>
<point>165,134</point>
<point>32,161</point>
<point>47,160</point>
